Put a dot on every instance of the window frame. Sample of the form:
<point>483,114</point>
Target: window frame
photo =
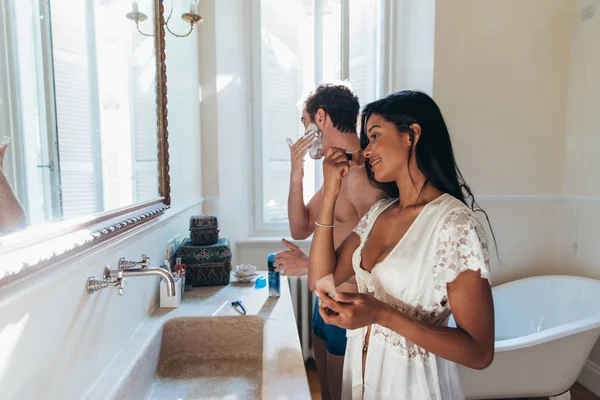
<point>262,228</point>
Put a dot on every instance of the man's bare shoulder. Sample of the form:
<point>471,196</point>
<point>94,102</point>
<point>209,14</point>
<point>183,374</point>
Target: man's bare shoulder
<point>363,194</point>
<point>357,178</point>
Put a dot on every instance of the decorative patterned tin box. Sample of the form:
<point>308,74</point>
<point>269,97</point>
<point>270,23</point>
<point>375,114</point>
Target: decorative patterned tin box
<point>204,230</point>
<point>206,265</point>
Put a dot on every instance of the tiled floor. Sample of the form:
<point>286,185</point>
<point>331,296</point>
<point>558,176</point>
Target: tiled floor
<point>578,392</point>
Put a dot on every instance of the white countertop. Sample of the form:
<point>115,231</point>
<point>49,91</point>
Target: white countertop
<point>283,370</point>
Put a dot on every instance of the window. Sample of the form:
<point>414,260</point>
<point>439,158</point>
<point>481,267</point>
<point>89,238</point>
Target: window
<point>303,42</point>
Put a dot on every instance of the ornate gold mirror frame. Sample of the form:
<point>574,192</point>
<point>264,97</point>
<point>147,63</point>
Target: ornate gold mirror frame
<point>40,248</point>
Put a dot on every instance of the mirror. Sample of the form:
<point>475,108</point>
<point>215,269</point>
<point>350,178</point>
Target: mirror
<point>81,109</point>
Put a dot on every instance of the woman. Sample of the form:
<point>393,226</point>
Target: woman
<point>414,255</point>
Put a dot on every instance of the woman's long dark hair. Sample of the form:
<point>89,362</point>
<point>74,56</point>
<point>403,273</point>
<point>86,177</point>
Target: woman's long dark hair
<point>434,153</point>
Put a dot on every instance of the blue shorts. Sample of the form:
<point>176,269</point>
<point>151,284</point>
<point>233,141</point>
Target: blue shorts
<point>333,336</point>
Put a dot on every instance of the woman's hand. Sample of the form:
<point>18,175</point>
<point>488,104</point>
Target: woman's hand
<point>335,167</point>
<point>357,157</point>
<point>352,310</point>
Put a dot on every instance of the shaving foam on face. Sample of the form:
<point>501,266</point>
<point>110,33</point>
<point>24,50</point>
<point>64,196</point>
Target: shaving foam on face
<point>317,144</point>
<point>312,131</point>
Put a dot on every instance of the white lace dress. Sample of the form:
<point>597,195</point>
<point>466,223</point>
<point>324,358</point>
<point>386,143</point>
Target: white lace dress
<point>445,239</point>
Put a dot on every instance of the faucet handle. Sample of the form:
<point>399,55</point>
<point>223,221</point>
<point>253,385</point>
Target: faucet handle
<point>94,284</point>
<point>145,261</point>
<point>127,264</point>
<point>121,285</point>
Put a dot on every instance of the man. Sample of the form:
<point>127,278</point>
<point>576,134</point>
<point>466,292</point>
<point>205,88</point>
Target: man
<point>334,109</point>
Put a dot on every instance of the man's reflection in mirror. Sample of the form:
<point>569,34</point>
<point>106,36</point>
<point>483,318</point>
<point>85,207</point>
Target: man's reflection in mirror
<point>12,213</point>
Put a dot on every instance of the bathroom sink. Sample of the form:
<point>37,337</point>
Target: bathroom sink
<point>210,357</point>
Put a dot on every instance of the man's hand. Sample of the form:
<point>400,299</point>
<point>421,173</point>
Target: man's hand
<point>291,262</point>
<point>297,151</point>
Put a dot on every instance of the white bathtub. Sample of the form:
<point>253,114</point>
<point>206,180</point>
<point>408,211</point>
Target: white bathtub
<point>546,327</point>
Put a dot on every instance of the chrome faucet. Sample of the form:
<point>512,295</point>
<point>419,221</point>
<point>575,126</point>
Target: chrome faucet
<point>126,269</point>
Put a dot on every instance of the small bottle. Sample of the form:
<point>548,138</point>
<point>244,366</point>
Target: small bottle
<point>274,279</point>
<point>180,273</point>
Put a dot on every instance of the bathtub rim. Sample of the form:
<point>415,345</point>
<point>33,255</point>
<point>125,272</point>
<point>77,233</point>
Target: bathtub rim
<point>557,332</point>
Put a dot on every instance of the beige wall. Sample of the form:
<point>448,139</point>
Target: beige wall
<point>500,78</point>
<point>582,143</point>
<point>519,84</point>
<point>55,338</point>
<point>501,81</point>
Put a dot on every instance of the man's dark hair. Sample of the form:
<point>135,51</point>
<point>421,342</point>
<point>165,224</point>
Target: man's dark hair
<point>337,100</point>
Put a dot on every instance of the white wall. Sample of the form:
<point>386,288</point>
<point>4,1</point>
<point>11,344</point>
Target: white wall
<point>409,37</point>
<point>55,339</point>
<point>207,47</point>
<point>225,82</point>
<point>582,143</point>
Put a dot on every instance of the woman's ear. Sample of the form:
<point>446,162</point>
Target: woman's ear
<point>414,133</point>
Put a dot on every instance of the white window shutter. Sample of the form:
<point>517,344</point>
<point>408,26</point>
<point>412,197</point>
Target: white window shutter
<point>144,118</point>
<point>282,85</point>
<point>74,109</point>
<point>363,50</point>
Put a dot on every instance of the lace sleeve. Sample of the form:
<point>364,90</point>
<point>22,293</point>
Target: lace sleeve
<point>462,245</point>
<point>363,225</point>
<point>361,228</point>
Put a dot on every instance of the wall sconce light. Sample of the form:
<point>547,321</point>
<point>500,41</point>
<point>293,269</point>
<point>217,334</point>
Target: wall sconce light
<point>192,17</point>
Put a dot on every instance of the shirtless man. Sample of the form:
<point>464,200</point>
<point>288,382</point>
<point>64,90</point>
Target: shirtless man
<point>334,109</point>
